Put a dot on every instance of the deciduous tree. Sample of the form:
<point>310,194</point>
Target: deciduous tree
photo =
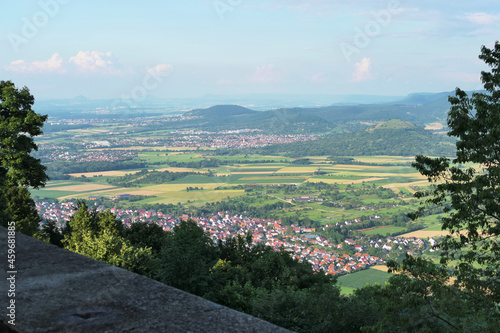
<point>469,185</point>
<point>19,124</point>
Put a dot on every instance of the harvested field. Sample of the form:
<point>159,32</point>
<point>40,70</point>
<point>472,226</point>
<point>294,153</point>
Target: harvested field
<point>297,170</point>
<point>343,181</point>
<point>103,173</point>
<point>385,159</point>
<point>434,126</point>
<point>181,187</point>
<point>350,167</point>
<point>427,233</point>
<point>109,192</point>
<point>382,268</point>
<point>417,183</point>
<point>358,181</point>
<point>123,173</point>
<point>251,172</point>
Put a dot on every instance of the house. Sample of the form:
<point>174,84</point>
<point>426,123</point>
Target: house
<point>349,241</point>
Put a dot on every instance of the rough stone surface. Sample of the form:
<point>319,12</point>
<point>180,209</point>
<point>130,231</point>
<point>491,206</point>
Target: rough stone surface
<point>60,291</point>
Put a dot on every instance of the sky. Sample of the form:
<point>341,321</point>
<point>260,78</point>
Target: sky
<point>187,49</point>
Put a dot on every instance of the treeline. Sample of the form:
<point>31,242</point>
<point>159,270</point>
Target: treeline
<point>205,163</point>
<point>59,168</point>
<point>350,160</point>
<point>147,177</point>
<point>244,205</point>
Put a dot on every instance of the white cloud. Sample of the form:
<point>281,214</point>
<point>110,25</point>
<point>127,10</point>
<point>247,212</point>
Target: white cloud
<point>266,73</point>
<point>362,70</point>
<point>482,18</point>
<point>162,68</point>
<point>319,77</point>
<point>54,64</point>
<point>95,61</point>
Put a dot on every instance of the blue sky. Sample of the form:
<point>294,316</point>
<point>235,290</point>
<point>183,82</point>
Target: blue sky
<point>170,49</point>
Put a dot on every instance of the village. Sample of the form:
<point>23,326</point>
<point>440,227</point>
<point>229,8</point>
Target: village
<point>301,242</point>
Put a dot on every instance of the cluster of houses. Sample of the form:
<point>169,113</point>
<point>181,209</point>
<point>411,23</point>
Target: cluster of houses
<point>301,242</point>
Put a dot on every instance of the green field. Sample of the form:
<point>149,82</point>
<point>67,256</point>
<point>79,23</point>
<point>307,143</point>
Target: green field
<point>384,230</point>
<point>362,278</point>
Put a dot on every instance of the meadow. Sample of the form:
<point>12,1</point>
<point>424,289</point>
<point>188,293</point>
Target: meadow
<point>362,278</point>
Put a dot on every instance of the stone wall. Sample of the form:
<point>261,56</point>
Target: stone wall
<point>60,291</point>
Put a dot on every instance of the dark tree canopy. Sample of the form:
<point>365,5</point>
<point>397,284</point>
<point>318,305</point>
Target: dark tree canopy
<point>19,124</point>
<point>469,185</point>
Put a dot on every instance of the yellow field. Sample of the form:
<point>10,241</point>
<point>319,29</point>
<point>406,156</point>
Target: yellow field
<point>289,169</point>
<point>426,233</point>
<point>382,268</point>
<point>103,173</point>
<point>123,173</point>
<point>343,181</point>
<point>434,126</point>
<point>385,159</point>
<point>181,187</point>
<point>414,175</point>
<point>327,181</point>
<point>251,172</point>
<point>396,186</point>
<point>350,167</point>
<point>277,179</point>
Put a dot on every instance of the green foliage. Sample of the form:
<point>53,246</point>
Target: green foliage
<point>22,209</point>
<point>420,299</point>
<point>99,235</point>
<point>85,224</point>
<point>61,168</point>
<point>186,258</point>
<point>389,141</point>
<point>117,251</point>
<point>148,177</point>
<point>143,234</point>
<point>19,124</point>
<point>471,194</point>
<point>50,233</point>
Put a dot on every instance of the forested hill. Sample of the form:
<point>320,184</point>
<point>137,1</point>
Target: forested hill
<point>419,108</point>
<point>221,111</point>
<point>394,137</point>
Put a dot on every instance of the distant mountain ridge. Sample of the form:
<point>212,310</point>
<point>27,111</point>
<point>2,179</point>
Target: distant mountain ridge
<point>418,109</point>
<point>221,111</point>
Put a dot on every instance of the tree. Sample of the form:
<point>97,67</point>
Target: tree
<point>19,124</point>
<point>186,258</point>
<point>468,187</point>
<point>86,223</point>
